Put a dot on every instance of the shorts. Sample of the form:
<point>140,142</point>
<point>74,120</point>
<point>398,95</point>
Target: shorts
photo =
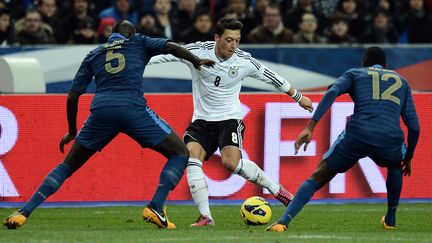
<point>345,152</point>
<point>212,135</point>
<point>138,122</point>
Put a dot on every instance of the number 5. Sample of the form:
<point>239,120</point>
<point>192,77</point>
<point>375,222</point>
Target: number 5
<point>111,56</point>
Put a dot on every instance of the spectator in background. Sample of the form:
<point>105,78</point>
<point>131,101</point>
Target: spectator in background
<point>416,23</point>
<point>6,33</point>
<point>201,29</point>
<point>272,30</point>
<point>391,6</point>
<point>105,29</point>
<point>164,22</point>
<point>48,11</point>
<point>227,13</point>
<point>69,24</point>
<point>147,25</point>
<point>33,32</point>
<point>350,9</point>
<point>327,7</point>
<point>86,33</point>
<point>121,9</point>
<point>307,34</point>
<point>241,7</point>
<point>294,16</point>
<point>259,10</point>
<point>338,31</point>
<point>382,31</point>
<point>185,13</point>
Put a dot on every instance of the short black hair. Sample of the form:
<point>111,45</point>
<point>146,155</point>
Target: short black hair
<point>336,18</point>
<point>227,23</point>
<point>199,13</point>
<point>125,28</point>
<point>374,55</point>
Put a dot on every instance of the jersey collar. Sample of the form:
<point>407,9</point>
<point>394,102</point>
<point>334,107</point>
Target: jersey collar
<point>116,36</point>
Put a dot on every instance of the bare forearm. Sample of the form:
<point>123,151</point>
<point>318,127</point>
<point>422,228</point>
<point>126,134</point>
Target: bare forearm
<point>181,52</point>
<point>72,111</point>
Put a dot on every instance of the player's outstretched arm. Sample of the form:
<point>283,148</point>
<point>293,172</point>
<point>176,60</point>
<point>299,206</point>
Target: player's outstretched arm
<point>72,111</point>
<point>181,52</point>
<point>410,118</point>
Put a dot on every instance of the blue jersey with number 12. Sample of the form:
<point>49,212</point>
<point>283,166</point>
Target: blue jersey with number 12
<point>381,97</point>
<point>118,67</point>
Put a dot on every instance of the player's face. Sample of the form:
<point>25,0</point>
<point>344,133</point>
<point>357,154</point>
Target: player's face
<point>227,43</point>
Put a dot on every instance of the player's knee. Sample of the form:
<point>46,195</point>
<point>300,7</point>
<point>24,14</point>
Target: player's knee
<point>181,150</point>
<point>229,164</point>
<point>322,175</point>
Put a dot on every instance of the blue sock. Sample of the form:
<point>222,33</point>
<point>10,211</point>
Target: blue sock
<point>303,195</point>
<point>394,187</point>
<point>51,184</point>
<point>169,178</point>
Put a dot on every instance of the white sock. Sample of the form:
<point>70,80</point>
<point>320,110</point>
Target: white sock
<point>251,172</point>
<point>198,186</point>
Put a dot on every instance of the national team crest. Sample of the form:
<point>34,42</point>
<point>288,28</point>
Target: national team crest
<point>233,72</point>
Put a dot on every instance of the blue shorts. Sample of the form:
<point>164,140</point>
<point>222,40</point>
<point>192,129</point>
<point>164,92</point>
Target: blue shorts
<point>138,122</point>
<point>345,152</point>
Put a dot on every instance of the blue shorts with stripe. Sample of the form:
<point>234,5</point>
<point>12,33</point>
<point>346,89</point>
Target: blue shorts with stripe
<point>138,122</point>
<point>346,151</point>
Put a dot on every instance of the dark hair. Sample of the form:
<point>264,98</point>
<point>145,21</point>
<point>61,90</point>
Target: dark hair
<point>199,13</point>
<point>125,28</point>
<point>374,55</point>
<point>227,23</point>
<point>380,11</point>
<point>274,5</point>
<point>336,18</point>
<point>4,11</point>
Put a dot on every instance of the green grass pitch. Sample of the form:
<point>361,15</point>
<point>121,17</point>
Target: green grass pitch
<point>316,223</point>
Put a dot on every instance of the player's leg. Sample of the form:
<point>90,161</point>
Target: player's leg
<point>198,138</point>
<point>391,158</point>
<point>321,176</point>
<point>394,187</point>
<point>230,142</point>
<point>94,135</point>
<point>144,126</point>
<point>340,158</point>
<point>76,157</point>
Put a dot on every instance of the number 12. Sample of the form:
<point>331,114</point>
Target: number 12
<point>388,93</point>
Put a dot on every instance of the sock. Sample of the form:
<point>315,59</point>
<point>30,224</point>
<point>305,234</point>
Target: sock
<point>198,186</point>
<point>251,172</point>
<point>168,180</point>
<point>50,185</point>
<point>394,187</point>
<point>303,195</point>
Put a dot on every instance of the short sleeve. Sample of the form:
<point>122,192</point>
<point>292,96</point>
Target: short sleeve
<point>344,82</point>
<point>154,46</point>
<point>83,76</point>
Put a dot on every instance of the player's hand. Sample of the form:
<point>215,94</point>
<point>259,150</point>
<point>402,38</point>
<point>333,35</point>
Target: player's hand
<point>306,103</point>
<point>406,167</point>
<point>205,62</point>
<point>67,138</point>
<point>303,138</point>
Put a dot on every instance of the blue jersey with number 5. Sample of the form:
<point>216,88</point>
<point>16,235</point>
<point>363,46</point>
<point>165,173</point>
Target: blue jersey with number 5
<point>118,67</point>
<point>381,97</point>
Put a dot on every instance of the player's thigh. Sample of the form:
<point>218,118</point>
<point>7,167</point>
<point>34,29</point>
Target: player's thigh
<point>77,156</point>
<point>172,146</point>
<point>196,151</point>
<point>343,154</point>
<point>202,133</point>
<point>144,126</point>
<point>322,174</point>
<point>388,157</point>
<point>98,130</point>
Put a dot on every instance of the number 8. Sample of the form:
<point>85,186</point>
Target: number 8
<point>234,137</point>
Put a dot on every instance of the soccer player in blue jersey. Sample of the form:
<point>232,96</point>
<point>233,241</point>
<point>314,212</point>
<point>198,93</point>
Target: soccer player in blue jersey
<point>381,97</point>
<point>118,107</point>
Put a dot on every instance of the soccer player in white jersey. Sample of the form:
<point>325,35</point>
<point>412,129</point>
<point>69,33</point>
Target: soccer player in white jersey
<point>217,119</point>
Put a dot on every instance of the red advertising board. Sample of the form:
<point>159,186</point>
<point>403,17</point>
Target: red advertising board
<point>31,127</point>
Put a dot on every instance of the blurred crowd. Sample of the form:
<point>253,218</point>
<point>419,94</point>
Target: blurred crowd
<point>29,22</point>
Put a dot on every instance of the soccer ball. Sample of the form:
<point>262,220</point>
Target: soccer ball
<point>255,211</point>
